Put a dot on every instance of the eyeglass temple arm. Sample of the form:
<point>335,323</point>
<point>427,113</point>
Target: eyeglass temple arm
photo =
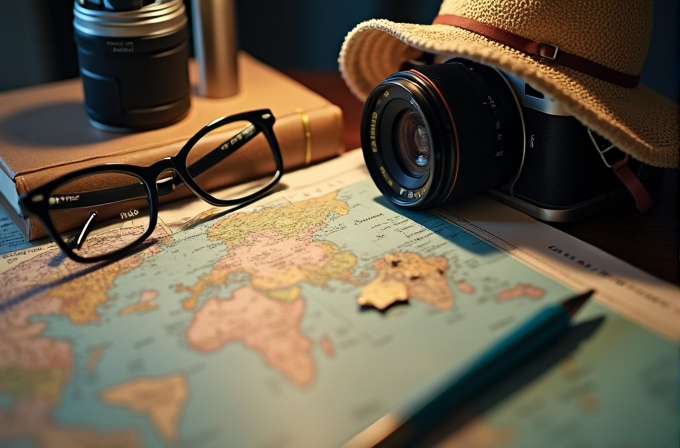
<point>164,186</point>
<point>106,196</point>
<point>223,151</point>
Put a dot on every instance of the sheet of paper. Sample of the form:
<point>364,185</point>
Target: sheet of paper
<point>244,329</point>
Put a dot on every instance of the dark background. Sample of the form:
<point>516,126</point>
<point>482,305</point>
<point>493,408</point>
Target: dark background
<point>36,41</point>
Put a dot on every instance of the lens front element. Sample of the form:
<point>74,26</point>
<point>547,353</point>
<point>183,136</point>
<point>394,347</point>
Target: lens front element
<point>412,143</point>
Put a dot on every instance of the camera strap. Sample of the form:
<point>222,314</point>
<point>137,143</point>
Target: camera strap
<point>633,184</point>
<point>617,160</point>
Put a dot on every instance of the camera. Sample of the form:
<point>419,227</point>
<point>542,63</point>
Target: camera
<point>133,57</point>
<point>438,133</point>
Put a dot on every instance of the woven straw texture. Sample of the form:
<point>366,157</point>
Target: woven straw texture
<point>614,33</point>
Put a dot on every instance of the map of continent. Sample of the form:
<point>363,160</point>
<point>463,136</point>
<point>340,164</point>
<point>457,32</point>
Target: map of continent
<point>275,247</point>
<point>161,399</point>
<point>404,275</point>
<point>268,326</point>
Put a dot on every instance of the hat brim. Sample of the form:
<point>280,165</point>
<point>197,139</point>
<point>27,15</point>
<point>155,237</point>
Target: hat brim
<point>638,120</point>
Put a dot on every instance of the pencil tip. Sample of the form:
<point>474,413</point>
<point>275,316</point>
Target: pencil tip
<point>573,304</point>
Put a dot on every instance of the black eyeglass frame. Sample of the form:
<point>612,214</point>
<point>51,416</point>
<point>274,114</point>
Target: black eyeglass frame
<point>35,203</point>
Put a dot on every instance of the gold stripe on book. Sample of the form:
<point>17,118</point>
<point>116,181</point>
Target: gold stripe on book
<point>308,135</point>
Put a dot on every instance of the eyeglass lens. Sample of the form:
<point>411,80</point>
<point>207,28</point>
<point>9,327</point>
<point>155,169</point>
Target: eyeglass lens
<point>104,212</point>
<point>229,154</point>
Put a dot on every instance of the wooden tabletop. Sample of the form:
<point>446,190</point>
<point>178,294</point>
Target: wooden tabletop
<point>648,241</point>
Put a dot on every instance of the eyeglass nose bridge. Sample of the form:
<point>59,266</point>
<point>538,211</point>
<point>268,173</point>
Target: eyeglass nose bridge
<point>166,175</point>
<point>169,173</point>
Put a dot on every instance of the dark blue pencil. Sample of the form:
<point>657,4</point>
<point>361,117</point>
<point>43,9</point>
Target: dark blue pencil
<point>409,421</point>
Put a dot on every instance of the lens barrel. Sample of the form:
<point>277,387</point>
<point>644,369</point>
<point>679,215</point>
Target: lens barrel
<point>133,65</point>
<point>439,133</point>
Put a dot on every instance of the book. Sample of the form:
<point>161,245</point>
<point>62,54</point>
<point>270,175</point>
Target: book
<point>45,133</point>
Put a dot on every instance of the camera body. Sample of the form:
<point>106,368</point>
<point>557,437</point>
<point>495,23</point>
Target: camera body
<point>438,133</point>
<point>133,57</point>
<point>566,172</point>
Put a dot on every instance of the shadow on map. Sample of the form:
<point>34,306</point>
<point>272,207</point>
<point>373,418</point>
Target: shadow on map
<point>459,237</point>
<point>387,309</point>
<point>215,212</point>
<point>55,262</point>
<point>516,379</point>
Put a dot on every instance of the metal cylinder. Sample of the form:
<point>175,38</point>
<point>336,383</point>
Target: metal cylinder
<point>215,47</point>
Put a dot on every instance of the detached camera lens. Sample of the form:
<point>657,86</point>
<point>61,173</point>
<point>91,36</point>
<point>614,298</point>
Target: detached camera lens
<point>439,133</point>
<point>133,63</point>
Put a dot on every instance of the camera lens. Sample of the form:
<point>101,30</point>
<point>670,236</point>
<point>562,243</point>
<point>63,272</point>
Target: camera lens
<point>133,63</point>
<point>439,133</point>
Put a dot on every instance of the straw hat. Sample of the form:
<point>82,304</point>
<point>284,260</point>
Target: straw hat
<point>586,54</point>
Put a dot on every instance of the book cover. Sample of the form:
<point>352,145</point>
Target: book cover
<point>44,131</point>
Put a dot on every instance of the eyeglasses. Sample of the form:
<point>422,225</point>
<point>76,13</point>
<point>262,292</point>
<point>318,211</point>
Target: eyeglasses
<point>99,212</point>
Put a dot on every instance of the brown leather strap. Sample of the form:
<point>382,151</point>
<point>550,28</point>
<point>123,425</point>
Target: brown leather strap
<point>541,49</point>
<point>633,184</point>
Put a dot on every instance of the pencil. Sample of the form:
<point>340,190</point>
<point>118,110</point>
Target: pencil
<point>401,426</point>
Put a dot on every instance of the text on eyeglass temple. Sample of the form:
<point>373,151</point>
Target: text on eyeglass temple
<point>248,131</point>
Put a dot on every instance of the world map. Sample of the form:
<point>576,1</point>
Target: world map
<point>296,323</point>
